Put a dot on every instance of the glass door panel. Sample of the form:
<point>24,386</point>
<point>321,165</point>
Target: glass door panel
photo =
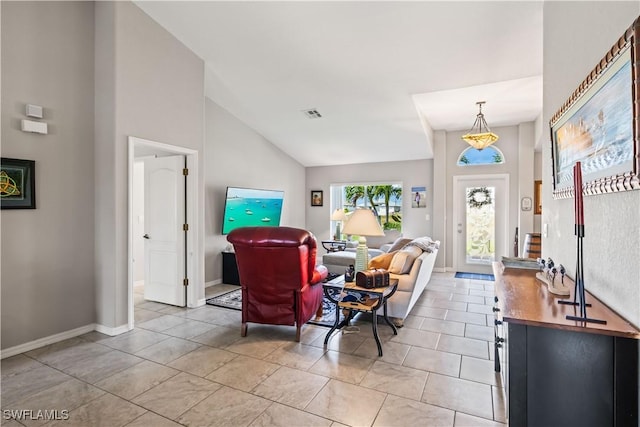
<point>481,225</point>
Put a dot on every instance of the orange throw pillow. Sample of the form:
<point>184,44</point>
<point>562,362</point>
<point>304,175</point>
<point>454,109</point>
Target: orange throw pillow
<point>381,261</point>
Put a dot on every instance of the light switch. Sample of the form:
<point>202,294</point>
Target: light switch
<point>545,229</point>
<point>427,217</point>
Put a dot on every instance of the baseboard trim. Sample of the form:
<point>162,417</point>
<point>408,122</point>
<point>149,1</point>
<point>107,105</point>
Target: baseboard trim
<point>213,283</point>
<point>41,342</point>
<point>107,330</point>
<point>52,339</point>
<point>440,269</point>
<point>200,303</point>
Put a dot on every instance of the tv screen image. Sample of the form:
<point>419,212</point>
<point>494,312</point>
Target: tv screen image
<point>251,207</point>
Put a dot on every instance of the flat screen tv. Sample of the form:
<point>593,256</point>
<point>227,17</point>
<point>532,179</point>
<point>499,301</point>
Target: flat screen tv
<point>251,207</point>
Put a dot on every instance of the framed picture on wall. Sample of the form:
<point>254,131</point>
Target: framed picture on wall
<point>598,126</point>
<point>418,197</point>
<point>316,198</point>
<point>17,184</point>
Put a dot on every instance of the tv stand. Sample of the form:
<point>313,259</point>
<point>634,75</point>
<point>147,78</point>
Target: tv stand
<point>230,269</point>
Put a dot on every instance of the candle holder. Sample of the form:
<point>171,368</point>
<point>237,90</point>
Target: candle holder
<point>579,291</point>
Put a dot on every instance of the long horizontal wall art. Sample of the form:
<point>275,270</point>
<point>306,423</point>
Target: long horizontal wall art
<point>599,125</point>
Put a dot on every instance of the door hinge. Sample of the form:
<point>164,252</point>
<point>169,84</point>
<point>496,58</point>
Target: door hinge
<point>185,227</point>
<point>185,282</point>
<point>185,171</point>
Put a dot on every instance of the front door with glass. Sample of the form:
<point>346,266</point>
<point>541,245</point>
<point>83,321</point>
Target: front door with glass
<point>481,221</point>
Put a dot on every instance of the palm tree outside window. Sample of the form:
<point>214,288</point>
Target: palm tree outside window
<point>384,200</point>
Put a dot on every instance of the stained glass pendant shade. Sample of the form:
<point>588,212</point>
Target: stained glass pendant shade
<point>480,136</point>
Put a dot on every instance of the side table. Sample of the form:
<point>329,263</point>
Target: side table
<point>334,245</point>
<point>349,296</point>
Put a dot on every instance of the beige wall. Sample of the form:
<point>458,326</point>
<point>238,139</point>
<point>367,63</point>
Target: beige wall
<point>235,155</point>
<point>416,173</point>
<point>513,141</point>
<point>576,36</point>
<point>148,85</point>
<point>48,271</point>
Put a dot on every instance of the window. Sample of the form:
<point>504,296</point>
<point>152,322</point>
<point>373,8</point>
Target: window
<point>385,200</point>
<point>489,156</point>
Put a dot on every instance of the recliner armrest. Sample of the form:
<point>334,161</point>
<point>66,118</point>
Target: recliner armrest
<point>319,274</point>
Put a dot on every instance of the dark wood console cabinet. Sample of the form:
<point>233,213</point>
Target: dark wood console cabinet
<point>230,269</point>
<point>559,372</point>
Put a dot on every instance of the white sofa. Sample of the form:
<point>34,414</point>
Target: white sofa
<point>337,262</point>
<point>410,285</point>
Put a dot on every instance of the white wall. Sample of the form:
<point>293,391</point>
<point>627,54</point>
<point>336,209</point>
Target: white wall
<point>612,229</point>
<point>235,155</point>
<point>450,145</point>
<point>148,85</point>
<point>410,173</point>
<point>47,253</point>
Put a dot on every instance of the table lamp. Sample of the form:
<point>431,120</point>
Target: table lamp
<point>339,216</point>
<point>363,223</point>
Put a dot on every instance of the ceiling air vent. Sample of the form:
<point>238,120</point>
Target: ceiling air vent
<point>312,113</point>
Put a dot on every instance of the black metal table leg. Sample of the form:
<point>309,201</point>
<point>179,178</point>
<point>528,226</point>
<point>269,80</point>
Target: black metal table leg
<point>337,318</point>
<point>386,318</point>
<point>374,326</point>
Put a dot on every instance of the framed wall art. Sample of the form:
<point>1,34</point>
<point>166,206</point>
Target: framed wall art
<point>599,126</point>
<point>418,197</point>
<point>17,184</point>
<point>316,198</point>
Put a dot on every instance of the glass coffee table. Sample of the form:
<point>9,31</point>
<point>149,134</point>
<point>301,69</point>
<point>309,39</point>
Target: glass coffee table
<point>348,296</point>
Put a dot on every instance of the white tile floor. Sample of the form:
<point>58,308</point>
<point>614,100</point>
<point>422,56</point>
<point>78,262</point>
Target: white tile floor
<point>191,367</point>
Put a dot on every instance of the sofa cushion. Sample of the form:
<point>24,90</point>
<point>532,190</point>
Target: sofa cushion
<point>425,243</point>
<point>403,260</point>
<point>399,244</point>
<point>381,261</point>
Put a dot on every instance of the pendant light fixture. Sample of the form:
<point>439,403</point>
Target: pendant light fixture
<point>480,136</point>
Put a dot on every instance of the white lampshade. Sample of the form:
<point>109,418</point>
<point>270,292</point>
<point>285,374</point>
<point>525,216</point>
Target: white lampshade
<point>363,223</point>
<point>338,215</point>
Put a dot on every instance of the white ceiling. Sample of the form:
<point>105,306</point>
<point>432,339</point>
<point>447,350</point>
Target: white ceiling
<point>381,73</point>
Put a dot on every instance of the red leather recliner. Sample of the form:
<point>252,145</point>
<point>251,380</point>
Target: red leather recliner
<point>278,274</point>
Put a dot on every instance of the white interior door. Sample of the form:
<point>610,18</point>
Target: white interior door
<point>481,221</point>
<point>164,208</point>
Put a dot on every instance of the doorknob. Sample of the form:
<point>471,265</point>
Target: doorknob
<point>146,236</point>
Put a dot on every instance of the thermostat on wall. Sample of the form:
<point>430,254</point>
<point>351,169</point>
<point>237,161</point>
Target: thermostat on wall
<point>34,111</point>
<point>526,203</point>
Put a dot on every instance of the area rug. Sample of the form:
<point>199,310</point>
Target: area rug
<point>475,276</point>
<point>233,301</point>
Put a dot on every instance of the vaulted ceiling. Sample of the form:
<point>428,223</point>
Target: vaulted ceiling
<point>383,75</point>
